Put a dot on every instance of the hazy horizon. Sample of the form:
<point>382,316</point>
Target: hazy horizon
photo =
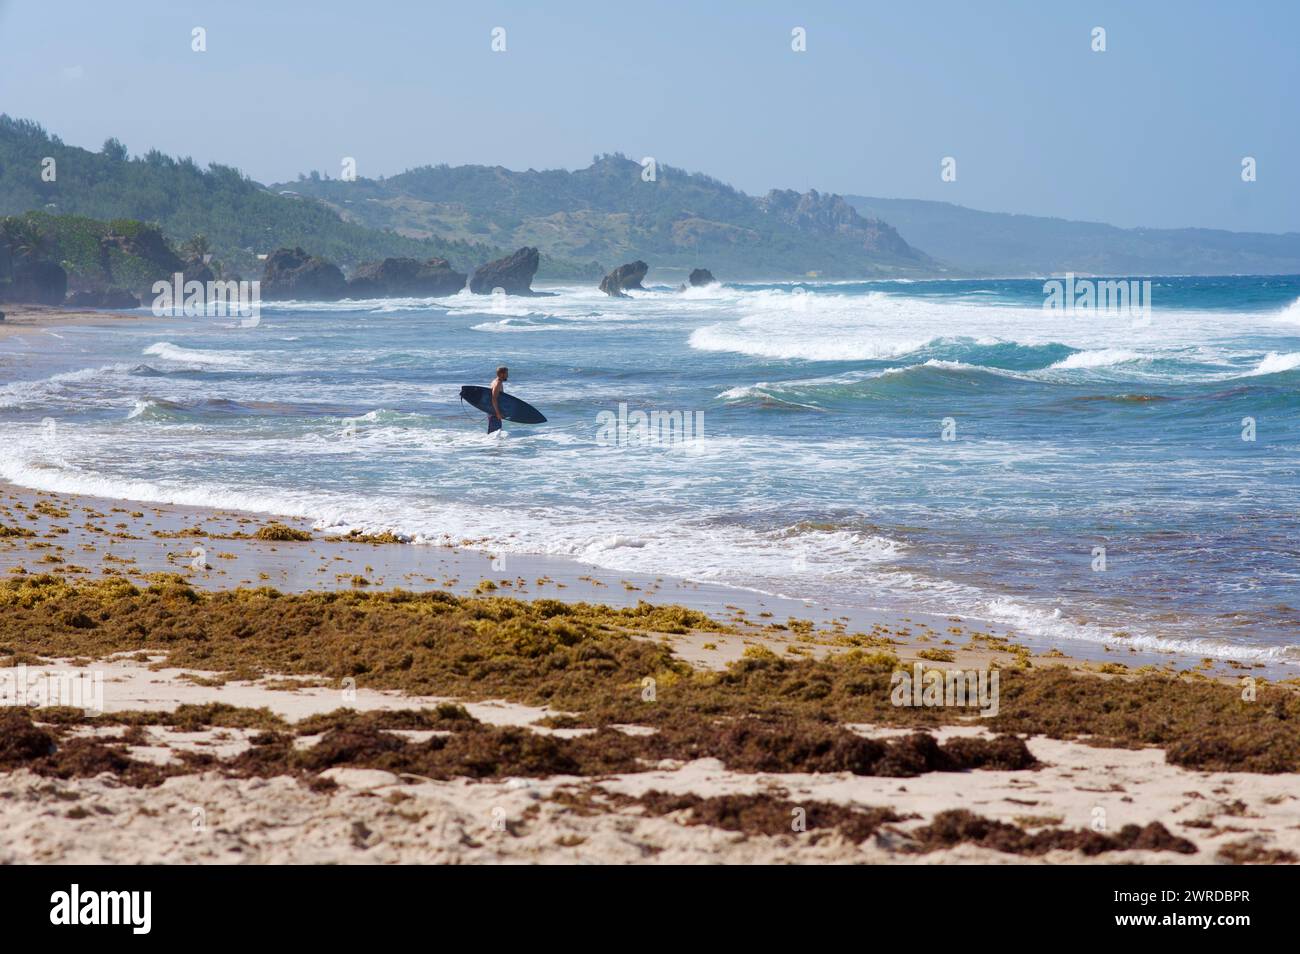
<point>1038,122</point>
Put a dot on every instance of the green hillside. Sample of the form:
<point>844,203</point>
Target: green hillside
<point>239,217</point>
<point>610,213</point>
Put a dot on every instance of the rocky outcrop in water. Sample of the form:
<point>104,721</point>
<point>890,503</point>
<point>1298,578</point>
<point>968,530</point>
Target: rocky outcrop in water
<point>291,273</point>
<point>514,274</point>
<point>617,282</point>
<point>103,298</point>
<point>701,276</point>
<point>405,278</point>
<point>139,244</point>
<point>197,270</point>
<point>35,281</point>
<point>132,256</point>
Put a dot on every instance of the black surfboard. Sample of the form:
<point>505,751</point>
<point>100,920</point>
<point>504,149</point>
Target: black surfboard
<point>513,409</point>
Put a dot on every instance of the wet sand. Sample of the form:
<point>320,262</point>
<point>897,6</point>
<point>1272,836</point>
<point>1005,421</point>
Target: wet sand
<point>28,319</point>
<point>211,549</point>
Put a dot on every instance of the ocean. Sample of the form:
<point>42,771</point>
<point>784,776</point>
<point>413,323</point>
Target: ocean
<point>939,446</point>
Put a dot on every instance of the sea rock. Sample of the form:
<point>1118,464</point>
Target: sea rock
<point>139,242</point>
<point>36,282</point>
<point>292,273</point>
<point>405,277</point>
<point>132,255</point>
<point>624,277</point>
<point>197,270</point>
<point>103,298</point>
<point>514,274</point>
<point>701,276</point>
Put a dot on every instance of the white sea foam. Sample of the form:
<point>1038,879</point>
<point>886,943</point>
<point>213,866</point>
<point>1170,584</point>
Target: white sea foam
<point>702,292</point>
<point>1290,314</point>
<point>505,325</point>
<point>811,327</point>
<point>625,509</point>
<point>191,356</point>
<point>1100,358</point>
<point>827,325</point>
<point>946,365</point>
<point>1275,363</point>
<point>762,391</point>
<point>372,305</point>
<point>633,540</point>
<point>42,390</point>
<point>796,562</point>
<point>1051,624</point>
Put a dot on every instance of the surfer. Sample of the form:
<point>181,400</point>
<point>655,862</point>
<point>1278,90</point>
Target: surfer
<point>499,406</point>
<point>498,385</point>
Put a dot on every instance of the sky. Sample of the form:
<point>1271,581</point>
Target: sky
<point>1151,132</point>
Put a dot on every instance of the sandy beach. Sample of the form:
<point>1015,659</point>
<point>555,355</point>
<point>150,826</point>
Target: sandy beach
<point>20,318</point>
<point>170,768</point>
<point>375,816</point>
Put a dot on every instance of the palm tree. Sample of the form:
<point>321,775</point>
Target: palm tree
<point>21,237</point>
<point>197,249</point>
<point>20,240</point>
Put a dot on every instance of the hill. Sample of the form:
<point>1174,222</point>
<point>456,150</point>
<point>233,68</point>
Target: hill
<point>995,243</point>
<point>43,256</point>
<point>239,218</point>
<point>610,213</point>
<point>589,220</point>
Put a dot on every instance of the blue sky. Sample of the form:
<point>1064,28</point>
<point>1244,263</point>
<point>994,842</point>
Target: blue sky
<point>1151,132</point>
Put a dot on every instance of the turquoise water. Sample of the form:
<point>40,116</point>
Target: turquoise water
<point>822,471</point>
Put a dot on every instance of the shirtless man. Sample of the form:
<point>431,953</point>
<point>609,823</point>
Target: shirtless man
<point>498,385</point>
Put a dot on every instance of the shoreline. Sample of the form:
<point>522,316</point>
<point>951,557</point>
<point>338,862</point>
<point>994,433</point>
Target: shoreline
<point>91,537</point>
<point>23,318</point>
<point>420,565</point>
<point>271,693</point>
<point>225,733</point>
<point>176,753</point>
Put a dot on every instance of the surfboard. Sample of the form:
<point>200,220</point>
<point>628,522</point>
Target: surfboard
<point>520,412</point>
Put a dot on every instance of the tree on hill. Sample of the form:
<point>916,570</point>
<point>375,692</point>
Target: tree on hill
<point>21,238</point>
<point>240,218</point>
<point>196,249</point>
<point>113,150</point>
